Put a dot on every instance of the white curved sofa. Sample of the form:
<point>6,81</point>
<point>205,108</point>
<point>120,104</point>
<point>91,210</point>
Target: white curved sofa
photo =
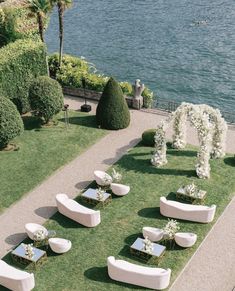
<point>15,279</point>
<point>76,211</point>
<point>120,189</point>
<point>102,178</point>
<point>59,245</point>
<point>155,278</point>
<point>31,228</point>
<point>185,239</point>
<point>198,213</point>
<point>154,234</point>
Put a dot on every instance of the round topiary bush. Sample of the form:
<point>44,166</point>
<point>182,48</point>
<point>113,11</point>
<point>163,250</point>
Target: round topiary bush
<point>112,111</point>
<point>11,124</point>
<point>46,97</point>
<point>148,137</point>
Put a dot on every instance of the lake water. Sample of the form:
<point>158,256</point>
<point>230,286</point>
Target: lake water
<point>184,50</point>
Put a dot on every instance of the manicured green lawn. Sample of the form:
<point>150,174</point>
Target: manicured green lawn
<point>84,267</point>
<point>42,151</point>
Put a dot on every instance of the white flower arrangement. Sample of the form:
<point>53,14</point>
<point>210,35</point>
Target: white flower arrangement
<point>147,245</point>
<point>100,194</point>
<point>39,235</point>
<point>107,179</point>
<point>211,129</point>
<point>191,189</point>
<point>28,250</point>
<point>170,229</point>
<point>117,177</point>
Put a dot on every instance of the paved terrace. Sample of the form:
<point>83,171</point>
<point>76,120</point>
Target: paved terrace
<point>212,267</point>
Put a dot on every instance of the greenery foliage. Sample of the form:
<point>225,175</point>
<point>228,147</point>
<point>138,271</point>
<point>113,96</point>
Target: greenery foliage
<point>148,137</point>
<point>46,97</point>
<point>20,63</point>
<point>11,124</point>
<point>74,69</point>
<point>112,111</point>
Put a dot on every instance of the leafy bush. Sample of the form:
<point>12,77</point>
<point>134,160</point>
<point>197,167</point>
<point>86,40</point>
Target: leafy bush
<point>148,98</point>
<point>148,137</point>
<point>8,23</point>
<point>46,97</point>
<point>74,69</point>
<point>20,63</point>
<point>11,123</point>
<point>112,111</point>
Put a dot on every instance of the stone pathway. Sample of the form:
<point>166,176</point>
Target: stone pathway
<point>38,205</point>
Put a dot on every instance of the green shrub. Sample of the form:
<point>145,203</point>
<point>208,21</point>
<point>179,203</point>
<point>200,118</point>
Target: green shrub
<point>8,24</point>
<point>112,111</point>
<point>148,98</point>
<point>126,88</point>
<point>20,63</point>
<point>11,123</point>
<point>46,97</point>
<point>148,137</point>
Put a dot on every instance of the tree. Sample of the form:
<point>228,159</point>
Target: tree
<point>40,8</point>
<point>62,5</point>
<point>112,111</point>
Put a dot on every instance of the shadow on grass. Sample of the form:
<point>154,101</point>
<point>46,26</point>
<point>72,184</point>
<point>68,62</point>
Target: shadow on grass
<point>129,162</point>
<point>100,274</point>
<point>230,161</point>
<point>151,212</point>
<point>46,211</point>
<point>184,153</point>
<point>87,120</point>
<point>31,122</point>
<point>131,238</point>
<point>65,221</point>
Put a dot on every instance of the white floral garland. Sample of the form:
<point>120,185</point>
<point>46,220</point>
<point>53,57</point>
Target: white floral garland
<point>211,128</point>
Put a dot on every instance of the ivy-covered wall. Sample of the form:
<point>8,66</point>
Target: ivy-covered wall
<point>20,62</point>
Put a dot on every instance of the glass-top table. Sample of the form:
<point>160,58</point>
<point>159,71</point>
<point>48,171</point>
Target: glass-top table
<point>90,195</point>
<point>137,248</point>
<point>39,256</point>
<point>196,198</point>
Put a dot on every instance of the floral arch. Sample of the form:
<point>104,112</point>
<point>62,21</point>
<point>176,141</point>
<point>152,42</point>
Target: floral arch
<point>211,128</point>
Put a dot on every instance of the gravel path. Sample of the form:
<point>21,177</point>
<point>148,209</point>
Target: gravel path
<point>211,268</point>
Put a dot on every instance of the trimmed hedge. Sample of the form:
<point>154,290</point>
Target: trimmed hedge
<point>112,111</point>
<point>20,62</point>
<point>148,137</point>
<point>46,97</point>
<point>11,123</point>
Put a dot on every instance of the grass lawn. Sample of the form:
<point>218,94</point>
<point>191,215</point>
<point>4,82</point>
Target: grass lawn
<point>42,151</point>
<point>84,267</point>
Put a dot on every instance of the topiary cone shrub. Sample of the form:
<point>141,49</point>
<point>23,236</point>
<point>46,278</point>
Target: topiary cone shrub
<point>46,97</point>
<point>11,124</point>
<point>112,111</point>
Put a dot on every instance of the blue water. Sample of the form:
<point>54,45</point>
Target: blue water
<point>184,50</point>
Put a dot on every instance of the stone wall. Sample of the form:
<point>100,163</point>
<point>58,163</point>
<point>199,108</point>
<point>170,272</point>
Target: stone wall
<point>90,94</point>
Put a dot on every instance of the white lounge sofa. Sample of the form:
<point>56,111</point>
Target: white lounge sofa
<point>15,279</point>
<point>185,239</point>
<point>102,178</point>
<point>120,189</point>
<point>76,211</point>
<point>31,228</point>
<point>59,245</point>
<point>154,234</point>
<point>198,213</point>
<point>154,278</point>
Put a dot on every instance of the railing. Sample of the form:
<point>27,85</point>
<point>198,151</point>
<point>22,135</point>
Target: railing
<point>171,106</point>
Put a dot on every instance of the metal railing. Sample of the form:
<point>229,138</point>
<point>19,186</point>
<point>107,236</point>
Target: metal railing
<point>170,106</point>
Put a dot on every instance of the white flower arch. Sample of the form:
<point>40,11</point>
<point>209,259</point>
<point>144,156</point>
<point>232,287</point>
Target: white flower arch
<point>211,128</point>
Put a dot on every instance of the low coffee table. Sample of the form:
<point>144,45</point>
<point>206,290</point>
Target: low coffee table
<point>37,259</point>
<point>90,195</point>
<point>198,198</point>
<point>137,249</point>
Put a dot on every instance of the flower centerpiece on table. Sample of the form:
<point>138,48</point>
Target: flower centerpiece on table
<point>116,176</point>
<point>191,189</point>
<point>100,194</point>
<point>107,179</point>
<point>28,250</point>
<point>39,235</point>
<point>170,229</point>
<point>147,245</point>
